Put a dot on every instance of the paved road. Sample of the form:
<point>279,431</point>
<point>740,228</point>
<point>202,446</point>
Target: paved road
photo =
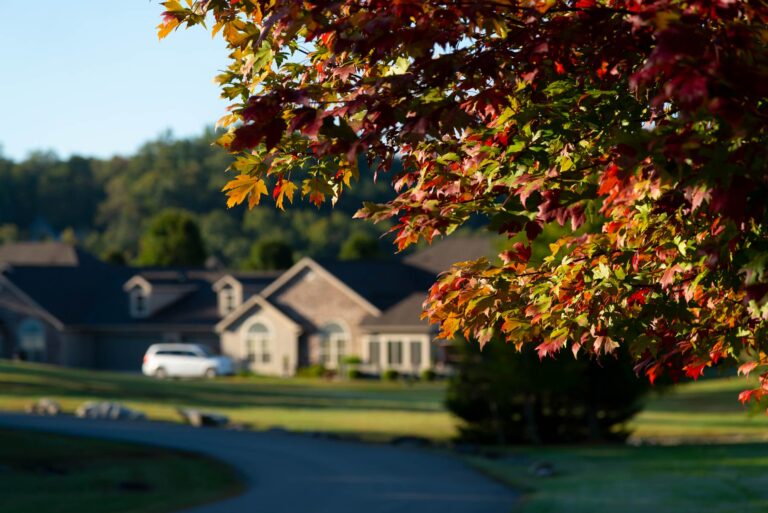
<point>296,474</point>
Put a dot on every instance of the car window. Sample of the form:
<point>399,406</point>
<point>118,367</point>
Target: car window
<point>205,350</point>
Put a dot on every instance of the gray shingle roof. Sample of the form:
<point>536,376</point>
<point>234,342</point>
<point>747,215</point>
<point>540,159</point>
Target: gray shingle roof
<point>404,314</point>
<point>439,256</point>
<point>382,283</point>
<point>43,254</point>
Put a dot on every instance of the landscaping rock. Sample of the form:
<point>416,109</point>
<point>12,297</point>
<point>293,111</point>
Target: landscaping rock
<point>199,418</point>
<point>542,469</point>
<point>108,410</point>
<point>44,406</point>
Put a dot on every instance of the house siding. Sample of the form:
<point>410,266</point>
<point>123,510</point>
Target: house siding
<point>284,336</point>
<point>313,301</point>
<point>14,309</point>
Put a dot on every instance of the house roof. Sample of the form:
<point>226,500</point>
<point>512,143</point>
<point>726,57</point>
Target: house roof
<point>439,256</point>
<point>70,293</point>
<point>252,282</point>
<point>57,254</point>
<point>382,283</point>
<point>77,289</point>
<point>405,314</point>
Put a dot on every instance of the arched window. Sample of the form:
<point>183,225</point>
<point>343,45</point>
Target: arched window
<point>259,344</point>
<point>333,344</point>
<point>32,340</point>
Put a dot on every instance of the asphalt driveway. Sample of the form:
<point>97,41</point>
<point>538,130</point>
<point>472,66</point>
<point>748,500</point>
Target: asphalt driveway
<point>287,473</point>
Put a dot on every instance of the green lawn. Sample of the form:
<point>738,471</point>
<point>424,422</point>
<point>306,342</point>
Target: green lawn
<point>704,411</point>
<point>679,478</point>
<point>57,474</point>
<point>371,409</point>
<point>660,479</point>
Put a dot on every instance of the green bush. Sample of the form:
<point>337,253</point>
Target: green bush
<point>244,373</point>
<point>354,373</point>
<point>352,360</point>
<point>505,396</point>
<point>390,375</point>
<point>311,371</point>
<point>428,375</point>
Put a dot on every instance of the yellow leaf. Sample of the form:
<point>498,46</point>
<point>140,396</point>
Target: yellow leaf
<point>287,190</point>
<point>226,120</point>
<point>346,176</point>
<point>167,27</point>
<point>245,186</point>
<point>216,27</point>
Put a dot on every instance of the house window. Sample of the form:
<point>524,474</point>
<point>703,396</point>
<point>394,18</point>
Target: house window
<point>32,340</point>
<point>374,352</point>
<point>139,302</point>
<point>259,344</point>
<point>416,354</point>
<point>227,299</point>
<point>333,344</point>
<point>394,352</point>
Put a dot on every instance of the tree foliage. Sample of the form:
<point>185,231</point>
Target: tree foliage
<point>173,239</point>
<point>647,119</point>
<point>117,198</point>
<point>360,246</point>
<point>270,254</point>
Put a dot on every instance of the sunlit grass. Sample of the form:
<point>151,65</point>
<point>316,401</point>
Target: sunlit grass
<point>370,409</point>
<point>706,410</point>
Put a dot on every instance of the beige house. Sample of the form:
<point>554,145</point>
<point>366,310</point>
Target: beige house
<point>60,305</point>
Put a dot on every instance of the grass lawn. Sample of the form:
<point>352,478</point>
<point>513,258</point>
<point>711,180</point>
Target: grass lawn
<point>665,478</point>
<point>659,479</point>
<point>704,411</point>
<point>371,409</point>
<point>57,474</point>
<point>679,479</point>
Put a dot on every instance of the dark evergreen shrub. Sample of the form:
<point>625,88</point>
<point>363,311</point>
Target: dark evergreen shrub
<point>505,396</point>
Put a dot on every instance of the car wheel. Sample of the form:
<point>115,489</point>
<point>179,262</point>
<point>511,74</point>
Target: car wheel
<point>160,373</point>
<point>211,373</point>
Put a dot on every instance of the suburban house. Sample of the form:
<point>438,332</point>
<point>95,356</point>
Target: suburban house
<point>59,304</point>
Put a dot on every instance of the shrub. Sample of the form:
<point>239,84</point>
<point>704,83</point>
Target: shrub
<point>428,375</point>
<point>244,373</point>
<point>352,360</point>
<point>390,375</point>
<point>505,396</point>
<point>354,373</point>
<point>311,371</point>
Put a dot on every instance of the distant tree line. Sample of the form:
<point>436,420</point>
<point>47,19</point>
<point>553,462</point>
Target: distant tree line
<point>128,209</point>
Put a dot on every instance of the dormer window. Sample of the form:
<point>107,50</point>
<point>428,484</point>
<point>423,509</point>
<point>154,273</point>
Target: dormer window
<point>140,305</point>
<point>227,300</point>
<point>139,299</point>
<point>230,294</point>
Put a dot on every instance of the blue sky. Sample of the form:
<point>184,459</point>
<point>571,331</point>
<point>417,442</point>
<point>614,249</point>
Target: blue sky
<point>90,77</point>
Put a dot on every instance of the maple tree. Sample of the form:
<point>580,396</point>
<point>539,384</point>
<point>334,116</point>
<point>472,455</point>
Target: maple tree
<point>639,124</point>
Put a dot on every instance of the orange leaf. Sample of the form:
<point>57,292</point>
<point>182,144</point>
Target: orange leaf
<point>284,189</point>
<point>245,186</point>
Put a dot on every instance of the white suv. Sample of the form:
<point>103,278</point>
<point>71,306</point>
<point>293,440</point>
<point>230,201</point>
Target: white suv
<point>184,360</point>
